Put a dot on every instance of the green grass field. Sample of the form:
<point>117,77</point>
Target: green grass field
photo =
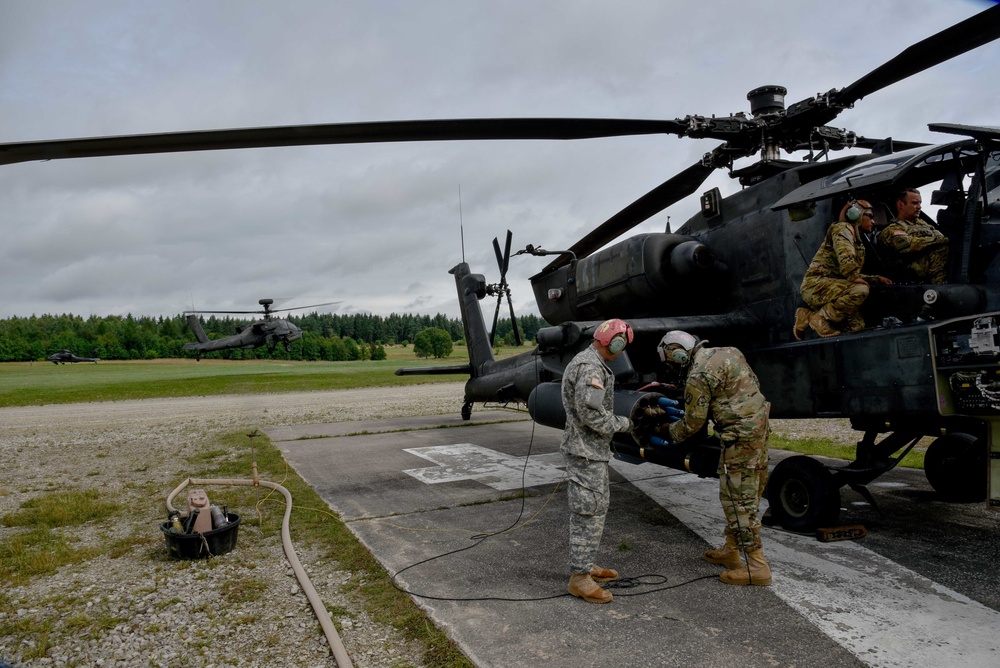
<point>37,383</point>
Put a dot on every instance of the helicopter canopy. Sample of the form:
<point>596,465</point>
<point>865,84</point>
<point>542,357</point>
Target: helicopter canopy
<point>912,167</point>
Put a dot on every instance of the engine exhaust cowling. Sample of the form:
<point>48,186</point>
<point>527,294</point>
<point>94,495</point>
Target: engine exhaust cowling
<point>645,275</point>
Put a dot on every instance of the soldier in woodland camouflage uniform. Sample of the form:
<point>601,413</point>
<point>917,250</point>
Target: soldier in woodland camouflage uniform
<point>721,387</point>
<point>833,286</point>
<point>919,246</point>
<point>588,397</point>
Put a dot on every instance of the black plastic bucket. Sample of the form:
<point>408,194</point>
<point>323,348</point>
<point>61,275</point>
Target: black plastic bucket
<point>202,545</point>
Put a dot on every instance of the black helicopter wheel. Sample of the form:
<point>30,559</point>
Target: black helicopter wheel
<point>803,495</point>
<point>467,410</point>
<point>955,466</point>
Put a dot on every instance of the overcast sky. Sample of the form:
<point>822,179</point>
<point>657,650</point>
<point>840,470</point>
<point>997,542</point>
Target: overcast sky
<point>378,226</point>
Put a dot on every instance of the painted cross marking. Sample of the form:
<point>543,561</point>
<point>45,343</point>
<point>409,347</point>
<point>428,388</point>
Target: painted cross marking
<point>502,472</point>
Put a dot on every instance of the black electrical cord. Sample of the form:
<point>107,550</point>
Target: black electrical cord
<point>620,584</point>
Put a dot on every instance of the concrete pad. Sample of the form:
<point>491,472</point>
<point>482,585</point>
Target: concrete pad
<point>491,569</point>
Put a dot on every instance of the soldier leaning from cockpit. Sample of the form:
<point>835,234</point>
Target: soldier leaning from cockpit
<point>833,287</point>
<point>919,247</point>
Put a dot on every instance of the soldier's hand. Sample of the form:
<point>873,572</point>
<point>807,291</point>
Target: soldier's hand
<point>668,406</point>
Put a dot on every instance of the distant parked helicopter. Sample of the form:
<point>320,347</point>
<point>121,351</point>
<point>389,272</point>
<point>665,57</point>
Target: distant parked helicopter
<point>270,331</point>
<point>66,357</point>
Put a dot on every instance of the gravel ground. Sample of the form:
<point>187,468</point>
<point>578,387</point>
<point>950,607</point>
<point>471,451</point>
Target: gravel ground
<point>142,608</point>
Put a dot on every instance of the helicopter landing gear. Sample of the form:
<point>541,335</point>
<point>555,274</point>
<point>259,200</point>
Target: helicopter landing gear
<point>467,410</point>
<point>954,465</point>
<point>803,495</point>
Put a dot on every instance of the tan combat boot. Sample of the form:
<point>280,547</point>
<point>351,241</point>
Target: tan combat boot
<point>727,555</point>
<point>583,585</point>
<point>756,572</point>
<point>598,574</point>
<point>822,326</point>
<point>802,317</point>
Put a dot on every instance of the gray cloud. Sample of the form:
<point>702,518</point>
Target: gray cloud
<point>378,226</point>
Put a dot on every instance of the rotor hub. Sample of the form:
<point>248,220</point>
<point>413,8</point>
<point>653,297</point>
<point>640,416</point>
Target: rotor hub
<point>767,100</point>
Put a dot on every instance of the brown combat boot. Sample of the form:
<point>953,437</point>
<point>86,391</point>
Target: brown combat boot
<point>756,572</point>
<point>598,574</point>
<point>727,555</point>
<point>583,585</point>
<point>822,326</point>
<point>802,317</point>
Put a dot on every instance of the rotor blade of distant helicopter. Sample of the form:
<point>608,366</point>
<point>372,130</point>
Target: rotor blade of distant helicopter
<point>294,308</point>
<point>659,198</point>
<point>225,312</point>
<point>299,308</point>
<point>337,133</point>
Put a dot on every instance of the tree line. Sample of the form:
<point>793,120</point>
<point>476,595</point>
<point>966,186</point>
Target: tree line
<point>327,336</point>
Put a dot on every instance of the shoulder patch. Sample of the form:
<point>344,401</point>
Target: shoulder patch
<point>596,382</point>
<point>898,233</point>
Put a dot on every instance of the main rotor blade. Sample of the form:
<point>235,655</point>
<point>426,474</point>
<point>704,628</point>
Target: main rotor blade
<point>336,133</point>
<point>967,35</point>
<point>659,198</point>
<point>299,308</point>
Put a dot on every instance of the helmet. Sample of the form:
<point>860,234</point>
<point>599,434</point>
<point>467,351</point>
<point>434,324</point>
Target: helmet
<point>614,335</point>
<point>853,210</point>
<point>682,343</point>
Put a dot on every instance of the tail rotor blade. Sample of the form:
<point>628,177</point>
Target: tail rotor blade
<point>506,259</point>
<point>496,318</point>
<point>513,320</point>
<point>496,249</point>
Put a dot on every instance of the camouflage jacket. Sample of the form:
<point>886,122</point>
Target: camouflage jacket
<point>588,388</point>
<point>911,236</point>
<point>841,255</point>
<point>722,387</point>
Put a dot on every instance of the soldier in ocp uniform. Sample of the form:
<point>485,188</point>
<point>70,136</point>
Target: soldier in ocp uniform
<point>720,386</point>
<point>833,287</point>
<point>920,248</point>
<point>588,387</point>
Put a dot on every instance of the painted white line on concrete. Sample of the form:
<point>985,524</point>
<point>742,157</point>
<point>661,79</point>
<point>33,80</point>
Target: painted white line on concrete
<point>502,472</point>
<point>883,613</point>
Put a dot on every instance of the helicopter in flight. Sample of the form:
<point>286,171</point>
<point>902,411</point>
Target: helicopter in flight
<point>731,274</point>
<point>269,331</point>
<point>66,357</point>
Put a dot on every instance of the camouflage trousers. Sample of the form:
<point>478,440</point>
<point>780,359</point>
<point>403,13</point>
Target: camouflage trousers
<point>588,494</point>
<point>931,265</point>
<point>742,476</point>
<point>837,300</point>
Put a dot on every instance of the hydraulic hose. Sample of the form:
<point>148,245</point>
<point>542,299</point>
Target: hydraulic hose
<point>339,652</point>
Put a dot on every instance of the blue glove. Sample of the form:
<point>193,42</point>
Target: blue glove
<point>673,414</point>
<point>658,442</point>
